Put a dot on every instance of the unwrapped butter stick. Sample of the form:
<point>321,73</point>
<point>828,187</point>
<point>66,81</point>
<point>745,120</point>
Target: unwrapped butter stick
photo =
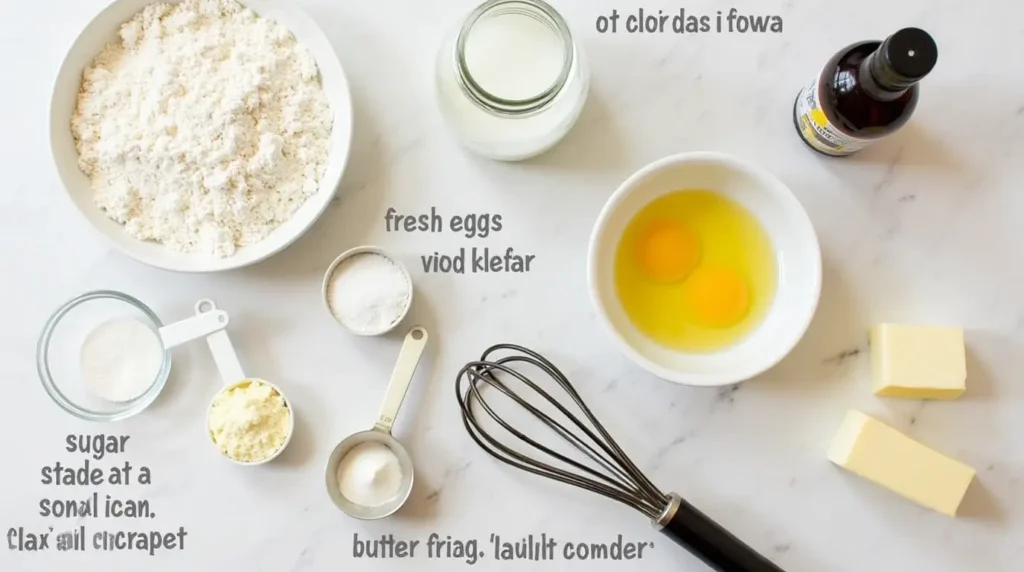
<point>883,455</point>
<point>918,362</point>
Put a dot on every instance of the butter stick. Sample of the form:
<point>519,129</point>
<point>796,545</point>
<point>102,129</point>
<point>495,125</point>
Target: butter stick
<point>883,455</point>
<point>918,362</point>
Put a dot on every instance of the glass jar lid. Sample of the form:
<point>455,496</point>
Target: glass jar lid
<point>514,56</point>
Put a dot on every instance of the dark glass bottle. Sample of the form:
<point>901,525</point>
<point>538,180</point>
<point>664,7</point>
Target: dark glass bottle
<point>866,91</point>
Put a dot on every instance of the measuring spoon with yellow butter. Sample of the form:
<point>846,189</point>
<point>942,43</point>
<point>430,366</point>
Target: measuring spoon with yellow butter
<point>249,420</point>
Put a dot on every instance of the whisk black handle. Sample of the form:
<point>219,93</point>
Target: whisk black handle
<point>716,546</point>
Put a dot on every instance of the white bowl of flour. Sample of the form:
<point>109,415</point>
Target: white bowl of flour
<point>201,136</point>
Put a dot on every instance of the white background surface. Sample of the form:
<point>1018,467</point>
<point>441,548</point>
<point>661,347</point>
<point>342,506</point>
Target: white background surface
<point>923,228</point>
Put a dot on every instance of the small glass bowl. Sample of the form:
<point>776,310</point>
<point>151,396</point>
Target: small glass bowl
<point>57,355</point>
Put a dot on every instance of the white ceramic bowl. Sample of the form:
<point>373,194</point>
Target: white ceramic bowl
<point>102,29</point>
<point>797,254</point>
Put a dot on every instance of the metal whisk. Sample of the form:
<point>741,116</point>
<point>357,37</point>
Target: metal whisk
<point>612,475</point>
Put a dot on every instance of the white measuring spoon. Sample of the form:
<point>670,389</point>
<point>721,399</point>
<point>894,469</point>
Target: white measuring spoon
<point>184,331</point>
<point>233,376</point>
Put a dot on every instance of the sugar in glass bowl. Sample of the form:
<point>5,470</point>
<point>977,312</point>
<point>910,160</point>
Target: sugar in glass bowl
<point>60,344</point>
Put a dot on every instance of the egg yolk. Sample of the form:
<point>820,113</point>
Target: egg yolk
<point>667,251</point>
<point>717,297</point>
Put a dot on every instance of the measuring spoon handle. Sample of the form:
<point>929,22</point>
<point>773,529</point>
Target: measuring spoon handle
<point>220,346</point>
<point>408,359</point>
<point>193,328</point>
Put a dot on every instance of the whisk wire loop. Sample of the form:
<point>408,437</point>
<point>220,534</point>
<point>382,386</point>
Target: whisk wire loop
<point>622,480</point>
<point>608,443</point>
<point>562,431</point>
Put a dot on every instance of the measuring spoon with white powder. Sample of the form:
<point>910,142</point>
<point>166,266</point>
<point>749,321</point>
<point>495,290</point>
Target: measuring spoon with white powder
<point>249,420</point>
<point>369,474</point>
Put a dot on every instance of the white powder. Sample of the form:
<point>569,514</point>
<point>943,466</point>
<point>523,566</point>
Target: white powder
<point>368,293</point>
<point>121,359</point>
<point>370,475</point>
<point>204,127</point>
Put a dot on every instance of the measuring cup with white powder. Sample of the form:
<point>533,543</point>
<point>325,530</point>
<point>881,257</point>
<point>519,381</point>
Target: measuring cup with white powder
<point>369,475</point>
<point>367,291</point>
<point>249,420</point>
<point>105,355</point>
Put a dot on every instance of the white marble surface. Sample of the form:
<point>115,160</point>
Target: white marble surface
<point>923,228</point>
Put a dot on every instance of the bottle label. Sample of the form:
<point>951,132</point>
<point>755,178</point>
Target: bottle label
<point>818,131</point>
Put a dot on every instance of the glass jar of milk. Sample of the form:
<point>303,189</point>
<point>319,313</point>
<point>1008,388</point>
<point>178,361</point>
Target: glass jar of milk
<point>511,81</point>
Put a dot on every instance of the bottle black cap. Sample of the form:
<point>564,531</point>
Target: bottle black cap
<point>911,53</point>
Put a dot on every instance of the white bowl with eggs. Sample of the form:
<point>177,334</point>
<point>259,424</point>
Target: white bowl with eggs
<point>103,28</point>
<point>792,245</point>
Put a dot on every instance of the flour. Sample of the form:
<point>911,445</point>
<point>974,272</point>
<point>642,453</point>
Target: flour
<point>368,293</point>
<point>204,127</point>
<point>121,359</point>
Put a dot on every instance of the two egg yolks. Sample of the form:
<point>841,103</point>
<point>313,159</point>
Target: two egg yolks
<point>669,252</point>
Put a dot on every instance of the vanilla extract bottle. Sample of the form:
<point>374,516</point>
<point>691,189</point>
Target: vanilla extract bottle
<point>866,92</point>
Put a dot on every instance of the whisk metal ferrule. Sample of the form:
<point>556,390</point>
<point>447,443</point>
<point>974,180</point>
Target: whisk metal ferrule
<point>666,516</point>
